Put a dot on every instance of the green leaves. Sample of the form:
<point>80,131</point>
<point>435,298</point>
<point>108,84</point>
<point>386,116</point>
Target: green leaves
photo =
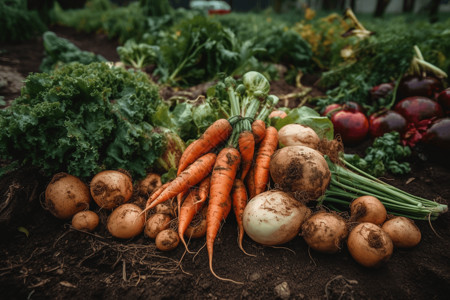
<point>81,119</point>
<point>383,156</point>
<point>308,117</point>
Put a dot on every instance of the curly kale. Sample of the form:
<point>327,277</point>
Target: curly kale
<point>81,119</point>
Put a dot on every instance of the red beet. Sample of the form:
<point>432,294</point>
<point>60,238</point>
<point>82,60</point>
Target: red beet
<point>414,85</point>
<point>438,135</point>
<point>352,126</point>
<point>335,107</point>
<point>381,91</point>
<point>386,121</point>
<point>444,100</point>
<point>416,109</point>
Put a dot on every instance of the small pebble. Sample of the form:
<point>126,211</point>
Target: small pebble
<point>282,290</point>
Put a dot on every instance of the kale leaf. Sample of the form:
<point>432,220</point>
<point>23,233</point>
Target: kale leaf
<point>81,119</point>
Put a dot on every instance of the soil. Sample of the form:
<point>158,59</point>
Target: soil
<point>42,257</point>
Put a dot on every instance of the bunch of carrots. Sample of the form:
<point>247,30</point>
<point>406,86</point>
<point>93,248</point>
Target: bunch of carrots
<point>228,164</point>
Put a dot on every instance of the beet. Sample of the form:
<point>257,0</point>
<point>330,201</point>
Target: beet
<point>416,109</point>
<point>438,135</point>
<point>381,91</point>
<point>351,125</point>
<point>386,121</point>
<point>444,100</point>
<point>414,85</point>
<point>349,106</point>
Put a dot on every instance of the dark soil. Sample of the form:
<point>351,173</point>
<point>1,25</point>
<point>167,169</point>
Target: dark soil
<point>42,257</point>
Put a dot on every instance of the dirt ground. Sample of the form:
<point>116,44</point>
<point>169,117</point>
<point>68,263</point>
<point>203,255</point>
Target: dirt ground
<point>42,257</point>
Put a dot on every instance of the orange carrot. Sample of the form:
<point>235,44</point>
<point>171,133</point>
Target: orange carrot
<point>250,182</point>
<point>268,146</point>
<point>156,193</point>
<point>219,207</point>
<point>239,196</point>
<point>218,132</point>
<point>246,144</point>
<point>193,203</point>
<point>195,173</point>
<point>259,130</point>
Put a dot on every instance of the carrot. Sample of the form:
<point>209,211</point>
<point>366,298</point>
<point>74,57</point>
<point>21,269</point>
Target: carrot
<point>219,207</point>
<point>250,182</point>
<point>156,193</point>
<point>193,203</point>
<point>259,130</point>
<point>268,146</point>
<point>246,144</point>
<point>218,132</point>
<point>195,173</point>
<point>239,196</point>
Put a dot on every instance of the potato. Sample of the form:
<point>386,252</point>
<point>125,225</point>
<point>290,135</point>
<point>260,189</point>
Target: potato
<point>300,170</point>
<point>111,188</point>
<point>86,220</point>
<point>156,223</point>
<point>298,135</point>
<point>66,195</point>
<point>126,221</point>
<point>325,232</point>
<point>368,209</point>
<point>403,232</point>
<point>149,184</point>
<point>167,240</point>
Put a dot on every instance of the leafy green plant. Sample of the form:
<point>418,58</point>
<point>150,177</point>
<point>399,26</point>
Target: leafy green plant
<point>81,119</point>
<point>61,51</point>
<point>18,23</point>
<point>383,156</point>
<point>137,55</point>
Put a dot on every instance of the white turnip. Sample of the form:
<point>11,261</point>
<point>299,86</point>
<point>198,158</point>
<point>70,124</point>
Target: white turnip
<point>300,170</point>
<point>85,220</point>
<point>369,245</point>
<point>368,209</point>
<point>274,217</point>
<point>325,231</point>
<point>126,221</point>
<point>111,188</point>
<point>298,135</point>
<point>403,232</point>
<point>66,195</point>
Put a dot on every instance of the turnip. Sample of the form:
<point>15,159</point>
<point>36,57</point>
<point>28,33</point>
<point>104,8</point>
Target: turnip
<point>403,232</point>
<point>156,223</point>
<point>66,195</point>
<point>369,245</point>
<point>324,231</point>
<point>126,221</point>
<point>368,209</point>
<point>167,240</point>
<point>111,188</point>
<point>298,135</point>
<point>300,170</point>
<point>274,217</point>
<point>149,184</point>
<point>86,220</point>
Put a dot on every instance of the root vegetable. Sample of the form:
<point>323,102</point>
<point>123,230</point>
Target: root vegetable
<point>111,188</point>
<point>298,135</point>
<point>66,195</point>
<point>86,220</point>
<point>324,232</point>
<point>126,221</point>
<point>369,245</point>
<point>156,223</point>
<point>274,217</point>
<point>149,184</point>
<point>167,240</point>
<point>403,232</point>
<point>301,170</point>
<point>368,209</point>
<point>165,208</point>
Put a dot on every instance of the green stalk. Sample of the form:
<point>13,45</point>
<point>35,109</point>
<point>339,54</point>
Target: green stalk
<point>346,185</point>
